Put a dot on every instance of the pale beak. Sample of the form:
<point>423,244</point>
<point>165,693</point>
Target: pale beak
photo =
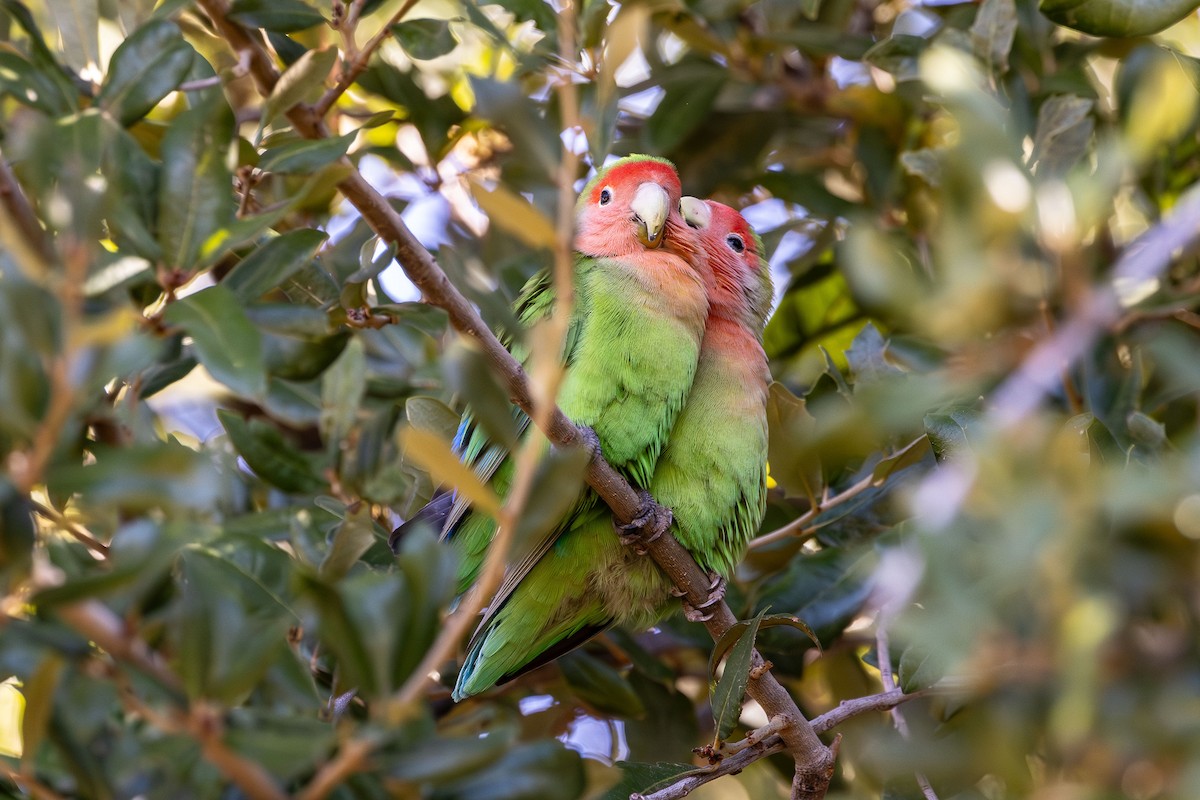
<point>650,207</point>
<point>695,212</point>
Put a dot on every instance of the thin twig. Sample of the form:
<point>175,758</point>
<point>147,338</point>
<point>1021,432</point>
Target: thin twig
<point>17,208</point>
<point>360,58</point>
<point>30,784</point>
<point>771,745</point>
<point>884,655</point>
<point>802,528</point>
<point>70,527</point>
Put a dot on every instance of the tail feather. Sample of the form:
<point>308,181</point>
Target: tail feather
<point>507,648</point>
<point>432,515</point>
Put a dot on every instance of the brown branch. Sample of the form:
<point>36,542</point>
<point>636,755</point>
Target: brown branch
<point>814,761</point>
<point>17,208</point>
<point>29,784</point>
<point>361,58</point>
<point>733,764</point>
<point>70,527</point>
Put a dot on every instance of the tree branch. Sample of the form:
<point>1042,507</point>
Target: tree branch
<point>733,764</point>
<point>360,59</point>
<point>814,761</point>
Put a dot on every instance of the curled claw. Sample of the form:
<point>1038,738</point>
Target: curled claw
<point>589,439</point>
<point>652,517</point>
<point>695,612</point>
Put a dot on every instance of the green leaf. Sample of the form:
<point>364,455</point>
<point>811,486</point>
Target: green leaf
<point>691,90</point>
<point>432,415</point>
<point>729,691</point>
<point>306,156</point>
<point>644,779</point>
<point>38,87</point>
<point>868,359</point>
<point>557,487</point>
<point>948,431</point>
<point>271,265</point>
<point>600,686</point>
<point>78,24</point>
<point>301,82</point>
<point>542,770</point>
<point>424,39</point>
<point>353,537</point>
<point>226,342</point>
<point>144,69</point>
<point>433,454</point>
<point>1123,18</point>
<point>445,759</point>
<point>195,195</point>
<point>282,16</point>
<point>272,457</point>
<point>792,429</point>
<point>1064,128</point>
<point>342,389</point>
<point>230,629</point>
<point>992,32</point>
<point>143,476</point>
<point>920,668</point>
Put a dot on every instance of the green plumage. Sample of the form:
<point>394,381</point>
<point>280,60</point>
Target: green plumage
<point>712,474</point>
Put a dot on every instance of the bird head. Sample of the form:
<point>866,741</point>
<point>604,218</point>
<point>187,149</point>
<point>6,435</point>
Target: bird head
<point>741,275</point>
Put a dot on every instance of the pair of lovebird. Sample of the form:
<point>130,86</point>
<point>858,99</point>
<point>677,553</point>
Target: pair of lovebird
<point>664,362</point>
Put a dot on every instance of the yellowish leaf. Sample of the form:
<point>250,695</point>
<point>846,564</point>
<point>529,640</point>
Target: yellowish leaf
<point>12,714</point>
<point>515,214</point>
<point>433,454</point>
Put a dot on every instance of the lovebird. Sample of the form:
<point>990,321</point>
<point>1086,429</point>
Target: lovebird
<point>630,353</point>
<point>712,474</point>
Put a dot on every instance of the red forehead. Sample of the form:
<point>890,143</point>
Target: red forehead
<point>726,220</point>
<point>630,173</point>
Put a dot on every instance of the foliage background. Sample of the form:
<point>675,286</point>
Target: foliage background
<point>206,363</point>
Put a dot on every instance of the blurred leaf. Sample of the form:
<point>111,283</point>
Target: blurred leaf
<point>992,32</point>
<point>17,536</point>
<point>141,477</point>
<point>424,39</point>
<point>230,628</point>
<point>1064,127</point>
<point>194,196</point>
<point>301,82</point>
<point>282,16</point>
<point>433,454</point>
<point>432,415</point>
<point>794,462</point>
<point>868,359</point>
<point>37,87</point>
<point>443,759</point>
<point>78,23</point>
<point>515,214</point>
<point>599,685</point>
<point>920,668</point>
<point>350,541</point>
<point>948,431</point>
<point>729,691</point>
<point>270,456</point>
<point>145,68</point>
<point>556,489</point>
<point>691,89</point>
<point>542,770</point>
<point>228,345</point>
<point>342,389</point>
<point>826,589</point>
<point>305,156</point>
<point>1117,17</point>
<point>273,263</point>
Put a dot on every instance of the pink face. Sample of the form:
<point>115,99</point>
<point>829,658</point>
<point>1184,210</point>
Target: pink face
<point>614,217</point>
<point>739,270</point>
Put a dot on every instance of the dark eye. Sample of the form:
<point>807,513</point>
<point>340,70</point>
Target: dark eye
<point>605,196</point>
<point>735,243</point>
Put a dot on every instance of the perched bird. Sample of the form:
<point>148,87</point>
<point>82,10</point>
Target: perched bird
<point>630,352</point>
<point>712,474</point>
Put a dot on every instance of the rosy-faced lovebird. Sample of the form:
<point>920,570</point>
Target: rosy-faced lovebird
<point>712,474</point>
<point>630,353</point>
